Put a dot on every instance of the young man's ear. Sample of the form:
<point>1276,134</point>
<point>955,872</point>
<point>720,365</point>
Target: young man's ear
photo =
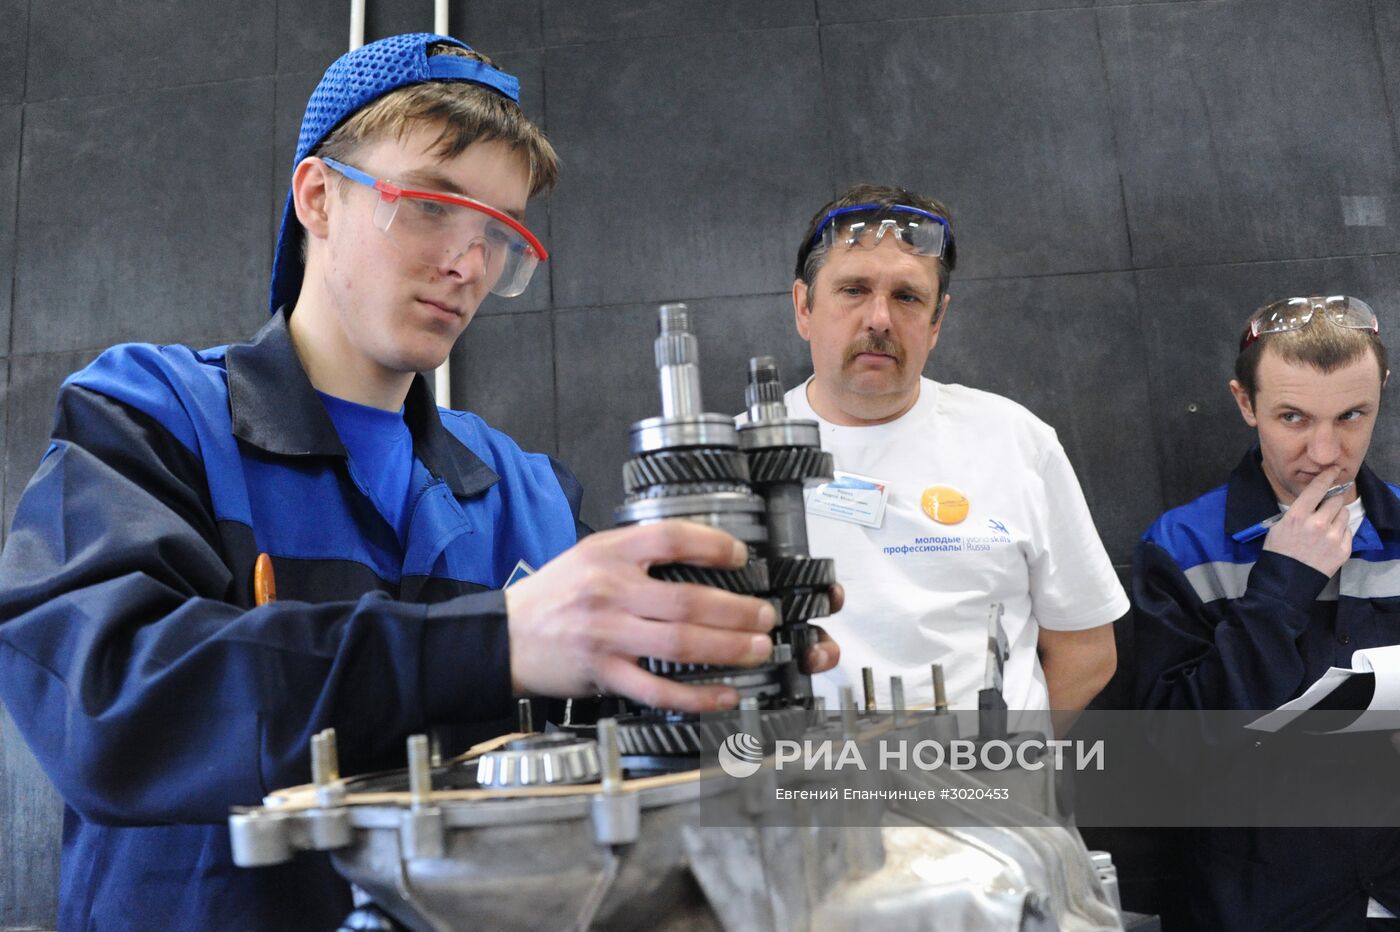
<point>801,310</point>
<point>311,182</point>
<point>1242,399</point>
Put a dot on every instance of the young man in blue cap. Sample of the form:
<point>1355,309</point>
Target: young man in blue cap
<point>154,684</point>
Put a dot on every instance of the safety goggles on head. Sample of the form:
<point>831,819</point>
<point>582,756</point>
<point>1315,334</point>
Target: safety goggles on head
<point>1297,313</point>
<point>925,233</point>
<point>438,229</point>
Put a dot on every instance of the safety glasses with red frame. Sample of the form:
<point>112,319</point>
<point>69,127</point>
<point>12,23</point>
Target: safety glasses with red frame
<point>1297,313</point>
<point>437,229</point>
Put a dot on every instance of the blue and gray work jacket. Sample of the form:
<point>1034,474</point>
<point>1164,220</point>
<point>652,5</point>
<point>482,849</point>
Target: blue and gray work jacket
<point>1220,624</point>
<point>152,690</point>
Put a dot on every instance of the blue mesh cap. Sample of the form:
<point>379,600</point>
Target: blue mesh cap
<point>352,81</point>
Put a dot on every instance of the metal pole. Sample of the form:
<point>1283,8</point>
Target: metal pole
<point>357,24</point>
<point>442,376</point>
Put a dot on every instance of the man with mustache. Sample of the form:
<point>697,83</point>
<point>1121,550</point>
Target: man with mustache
<point>947,499</point>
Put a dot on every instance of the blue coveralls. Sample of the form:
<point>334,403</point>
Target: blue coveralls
<point>153,692</point>
<point>1226,625</point>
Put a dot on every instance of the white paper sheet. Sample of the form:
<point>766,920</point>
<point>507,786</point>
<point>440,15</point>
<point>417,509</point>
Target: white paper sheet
<point>1384,662</point>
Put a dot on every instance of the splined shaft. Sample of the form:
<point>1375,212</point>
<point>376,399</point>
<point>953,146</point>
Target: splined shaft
<point>764,393</point>
<point>785,455</point>
<point>678,363</point>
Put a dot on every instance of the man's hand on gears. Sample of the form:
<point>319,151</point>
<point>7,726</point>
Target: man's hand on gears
<point>826,653</point>
<point>579,625</point>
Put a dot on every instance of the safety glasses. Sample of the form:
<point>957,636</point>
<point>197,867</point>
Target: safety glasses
<point>438,229</point>
<point>925,233</point>
<point>1297,313</point>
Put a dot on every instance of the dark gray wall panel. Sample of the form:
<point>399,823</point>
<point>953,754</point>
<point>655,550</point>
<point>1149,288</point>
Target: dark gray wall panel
<point>10,121</point>
<point>30,810</point>
<point>606,375</point>
<point>605,379</point>
<point>32,814</point>
<point>5,412</point>
<point>313,33</point>
<point>29,408</point>
<point>492,26</point>
<point>503,370</point>
<point>734,330</point>
<point>1387,30</point>
<point>497,26</point>
<point>14,49</point>
<point>1004,118</point>
<point>1192,320</point>
<point>143,217</point>
<point>571,21</point>
<point>692,164</point>
<point>292,91</point>
<point>843,11</point>
<point>529,68</point>
<point>1071,349</point>
<point>78,48</point>
<point>1233,151</point>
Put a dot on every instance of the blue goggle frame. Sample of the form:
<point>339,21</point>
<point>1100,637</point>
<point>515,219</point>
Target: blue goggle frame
<point>940,249</point>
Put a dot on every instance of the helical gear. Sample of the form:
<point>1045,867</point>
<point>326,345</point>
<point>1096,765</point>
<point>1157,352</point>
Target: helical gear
<point>801,572</point>
<point>697,736</point>
<point>788,464</point>
<point>799,605</point>
<point>750,579</point>
<point>689,488</point>
<point>672,467</point>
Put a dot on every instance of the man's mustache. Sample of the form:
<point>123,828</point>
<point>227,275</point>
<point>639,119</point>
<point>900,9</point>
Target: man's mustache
<point>875,343</point>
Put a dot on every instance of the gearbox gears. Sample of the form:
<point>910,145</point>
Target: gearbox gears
<point>747,480</point>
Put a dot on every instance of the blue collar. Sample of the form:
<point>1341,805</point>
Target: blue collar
<point>275,408</point>
<point>1250,499</point>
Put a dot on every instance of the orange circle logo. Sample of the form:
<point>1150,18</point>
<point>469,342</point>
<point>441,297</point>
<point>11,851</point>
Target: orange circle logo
<point>945,504</point>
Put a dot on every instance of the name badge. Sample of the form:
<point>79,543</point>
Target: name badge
<point>521,571</point>
<point>848,497</point>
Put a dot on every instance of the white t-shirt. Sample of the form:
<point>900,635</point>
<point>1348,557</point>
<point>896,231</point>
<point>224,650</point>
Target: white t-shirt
<point>1356,513</point>
<point>919,591</point>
